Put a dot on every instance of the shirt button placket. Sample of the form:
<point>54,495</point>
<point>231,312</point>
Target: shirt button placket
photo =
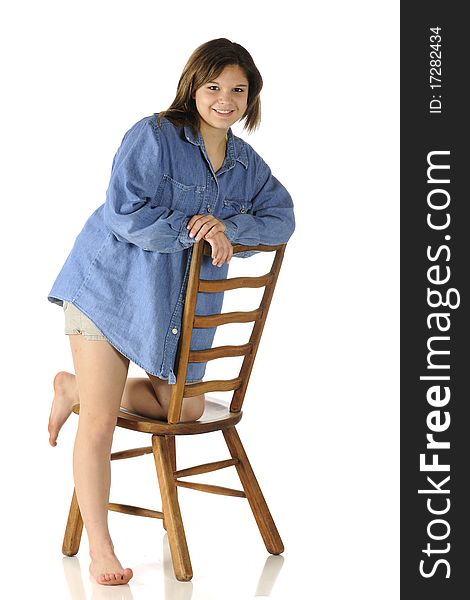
<point>212,192</point>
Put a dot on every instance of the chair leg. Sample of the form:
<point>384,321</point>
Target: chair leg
<point>174,524</point>
<point>172,446</point>
<point>73,530</point>
<point>255,497</point>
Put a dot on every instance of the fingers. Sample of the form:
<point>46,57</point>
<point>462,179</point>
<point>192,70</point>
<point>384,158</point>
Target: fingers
<point>222,250</point>
<point>194,225</point>
<point>204,226</point>
<point>211,229</point>
<point>217,228</point>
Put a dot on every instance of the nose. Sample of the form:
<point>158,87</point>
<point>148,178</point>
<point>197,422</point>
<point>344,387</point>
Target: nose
<point>224,97</point>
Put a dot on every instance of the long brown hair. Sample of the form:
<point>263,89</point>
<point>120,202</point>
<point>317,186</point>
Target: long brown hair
<point>205,64</point>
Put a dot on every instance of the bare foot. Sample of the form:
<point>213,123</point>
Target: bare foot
<point>107,570</point>
<point>65,397</point>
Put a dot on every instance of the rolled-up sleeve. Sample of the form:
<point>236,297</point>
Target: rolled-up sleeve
<point>271,219</point>
<point>131,209</point>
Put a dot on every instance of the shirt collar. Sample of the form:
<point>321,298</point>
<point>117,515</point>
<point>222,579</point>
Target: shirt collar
<point>235,147</point>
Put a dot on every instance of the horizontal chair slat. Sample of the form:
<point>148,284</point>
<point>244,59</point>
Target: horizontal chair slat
<point>131,453</point>
<point>207,467</point>
<point>221,285</point>
<point>212,489</point>
<point>219,352</point>
<point>215,385</point>
<point>135,510</point>
<point>229,317</point>
<point>241,248</point>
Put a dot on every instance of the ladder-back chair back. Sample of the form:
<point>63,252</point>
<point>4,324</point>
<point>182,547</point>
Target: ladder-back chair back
<point>191,320</point>
<point>218,415</point>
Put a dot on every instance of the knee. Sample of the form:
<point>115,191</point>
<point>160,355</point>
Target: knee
<point>193,408</point>
<point>97,428</point>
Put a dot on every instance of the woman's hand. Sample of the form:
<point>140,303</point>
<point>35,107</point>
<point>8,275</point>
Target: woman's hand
<point>212,230</point>
<point>204,226</point>
<point>222,249</point>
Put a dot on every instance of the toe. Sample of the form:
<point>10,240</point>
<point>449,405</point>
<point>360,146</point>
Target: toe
<point>53,429</point>
<point>127,574</point>
<point>115,578</point>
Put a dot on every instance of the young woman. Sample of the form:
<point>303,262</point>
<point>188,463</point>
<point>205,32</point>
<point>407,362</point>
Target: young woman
<point>178,176</point>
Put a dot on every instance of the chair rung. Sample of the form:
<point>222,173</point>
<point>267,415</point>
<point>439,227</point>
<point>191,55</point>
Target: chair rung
<point>211,489</point>
<point>131,453</point>
<point>201,321</point>
<point>135,510</point>
<point>219,352</point>
<point>207,468</point>
<point>220,285</point>
<point>215,385</point>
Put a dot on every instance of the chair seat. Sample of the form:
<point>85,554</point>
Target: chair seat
<point>216,417</point>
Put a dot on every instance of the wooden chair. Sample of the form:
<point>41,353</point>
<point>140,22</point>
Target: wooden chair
<point>218,416</point>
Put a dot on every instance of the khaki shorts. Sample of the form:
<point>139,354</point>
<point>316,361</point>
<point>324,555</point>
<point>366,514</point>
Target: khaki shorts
<point>77,322</point>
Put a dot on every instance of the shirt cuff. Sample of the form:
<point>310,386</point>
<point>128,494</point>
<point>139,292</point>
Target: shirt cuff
<point>183,235</point>
<point>231,231</point>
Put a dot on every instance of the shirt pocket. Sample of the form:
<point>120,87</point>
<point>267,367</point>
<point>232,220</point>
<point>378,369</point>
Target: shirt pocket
<point>179,196</point>
<point>234,206</point>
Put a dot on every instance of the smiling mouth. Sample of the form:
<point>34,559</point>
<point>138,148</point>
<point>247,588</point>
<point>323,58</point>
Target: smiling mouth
<point>223,112</point>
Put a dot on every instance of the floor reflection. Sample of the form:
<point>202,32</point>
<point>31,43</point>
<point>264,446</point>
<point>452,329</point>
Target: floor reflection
<point>271,570</point>
<point>76,584</point>
<point>172,588</point>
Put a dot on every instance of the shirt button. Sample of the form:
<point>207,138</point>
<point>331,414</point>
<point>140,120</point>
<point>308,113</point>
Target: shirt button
<point>174,330</point>
<point>209,209</point>
<point>242,209</point>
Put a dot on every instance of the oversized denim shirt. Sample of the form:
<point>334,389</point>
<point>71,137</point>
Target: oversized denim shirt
<point>129,265</point>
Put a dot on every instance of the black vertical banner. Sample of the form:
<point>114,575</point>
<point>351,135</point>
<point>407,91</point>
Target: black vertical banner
<point>435,301</point>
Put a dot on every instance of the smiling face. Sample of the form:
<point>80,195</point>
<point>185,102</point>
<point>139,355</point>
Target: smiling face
<point>222,102</point>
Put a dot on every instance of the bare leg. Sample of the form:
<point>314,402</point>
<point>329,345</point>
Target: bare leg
<point>147,396</point>
<point>101,373</point>
<point>138,391</point>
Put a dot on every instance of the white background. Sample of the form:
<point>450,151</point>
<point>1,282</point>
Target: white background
<point>321,414</point>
